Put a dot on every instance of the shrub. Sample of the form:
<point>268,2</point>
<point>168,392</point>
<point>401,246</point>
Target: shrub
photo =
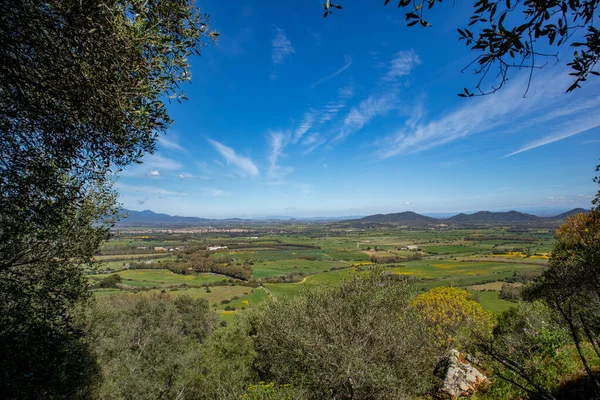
<point>529,339</point>
<point>454,316</point>
<point>155,338</point>
<point>360,339</point>
<point>110,281</point>
<point>510,292</point>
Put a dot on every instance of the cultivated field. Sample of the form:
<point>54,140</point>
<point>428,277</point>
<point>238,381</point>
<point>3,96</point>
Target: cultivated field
<point>285,259</point>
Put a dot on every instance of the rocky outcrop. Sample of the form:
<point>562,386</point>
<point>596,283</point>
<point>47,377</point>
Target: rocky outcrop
<point>459,377</point>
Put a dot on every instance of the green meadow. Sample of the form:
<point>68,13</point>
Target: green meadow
<point>160,278</point>
<point>285,263</point>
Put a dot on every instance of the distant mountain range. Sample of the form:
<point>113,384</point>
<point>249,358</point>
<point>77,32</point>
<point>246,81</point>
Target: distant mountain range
<point>149,218</point>
<point>407,217</point>
<point>481,217</point>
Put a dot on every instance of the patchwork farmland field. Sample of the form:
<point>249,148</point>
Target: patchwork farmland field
<point>297,257</point>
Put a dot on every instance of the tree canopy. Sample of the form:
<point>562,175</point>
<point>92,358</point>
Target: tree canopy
<point>508,34</point>
<point>571,284</point>
<point>82,90</point>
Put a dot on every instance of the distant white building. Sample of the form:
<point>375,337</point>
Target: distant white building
<point>412,247</point>
<point>213,248</point>
<point>160,249</point>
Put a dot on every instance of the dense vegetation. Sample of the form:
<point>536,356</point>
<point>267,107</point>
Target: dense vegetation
<point>83,85</point>
<point>82,88</point>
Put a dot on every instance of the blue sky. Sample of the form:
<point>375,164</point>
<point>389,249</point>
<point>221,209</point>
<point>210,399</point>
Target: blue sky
<point>293,114</point>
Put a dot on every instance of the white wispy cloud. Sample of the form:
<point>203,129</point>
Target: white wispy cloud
<point>152,164</point>
<point>384,99</point>
<point>369,108</point>
<point>281,47</point>
<point>330,110</point>
<point>169,143</point>
<point>187,175</point>
<point>402,64</point>
<point>305,125</point>
<point>574,127</point>
<point>144,189</point>
<point>506,109</point>
<point>278,141</point>
<point>347,64</point>
<point>346,92</point>
<point>312,142</point>
<point>591,141</point>
<point>313,118</point>
<point>215,192</point>
<point>244,165</point>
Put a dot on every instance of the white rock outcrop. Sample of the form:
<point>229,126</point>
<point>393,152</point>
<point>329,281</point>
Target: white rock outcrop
<point>460,379</point>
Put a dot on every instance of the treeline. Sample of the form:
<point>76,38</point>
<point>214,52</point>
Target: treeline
<point>118,250</point>
<point>511,292</point>
<point>151,256</point>
<point>201,262</point>
<point>275,247</point>
<point>391,258</point>
<point>507,239</point>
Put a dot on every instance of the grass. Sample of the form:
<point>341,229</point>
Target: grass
<point>432,269</point>
<point>255,297</point>
<point>154,255</point>
<point>455,249</point>
<point>161,278</point>
<point>337,248</point>
<point>274,255</point>
<point>268,269</point>
<point>347,255</point>
<point>216,295</point>
<point>494,286</point>
<point>284,289</point>
<point>491,302</point>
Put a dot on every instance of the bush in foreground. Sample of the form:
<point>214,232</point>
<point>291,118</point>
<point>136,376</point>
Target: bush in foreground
<point>360,339</point>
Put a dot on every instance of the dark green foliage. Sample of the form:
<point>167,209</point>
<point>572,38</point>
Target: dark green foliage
<point>82,84</point>
<point>43,354</point>
<point>200,261</point>
<point>509,33</point>
<point>390,258</point>
<point>148,347</point>
<point>510,292</point>
<point>359,340</point>
<point>596,200</point>
<point>224,366</point>
<point>110,281</point>
<point>571,285</point>
<point>523,276</point>
<point>530,350</point>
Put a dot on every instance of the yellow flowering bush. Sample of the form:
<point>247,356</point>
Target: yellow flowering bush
<point>454,315</point>
<point>580,230</point>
